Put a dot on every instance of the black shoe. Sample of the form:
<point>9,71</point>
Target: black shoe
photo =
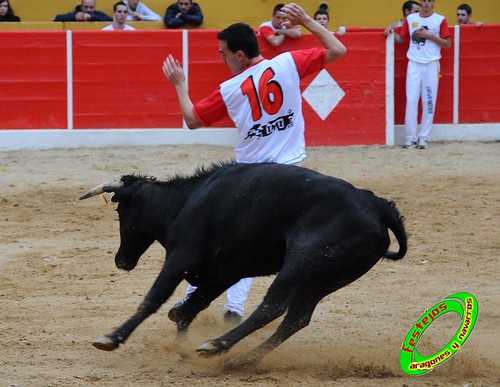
<point>232,318</point>
<point>172,313</point>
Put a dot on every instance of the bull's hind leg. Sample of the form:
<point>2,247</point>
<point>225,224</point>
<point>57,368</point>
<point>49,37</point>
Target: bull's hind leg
<point>273,306</point>
<point>297,317</point>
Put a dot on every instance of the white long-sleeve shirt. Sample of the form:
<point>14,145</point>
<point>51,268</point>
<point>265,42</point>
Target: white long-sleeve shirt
<point>144,11</point>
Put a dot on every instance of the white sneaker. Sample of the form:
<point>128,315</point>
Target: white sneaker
<point>410,144</point>
<point>422,144</point>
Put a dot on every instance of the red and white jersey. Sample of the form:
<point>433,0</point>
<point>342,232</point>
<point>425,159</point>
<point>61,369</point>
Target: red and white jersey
<point>266,29</point>
<point>424,50</point>
<point>265,103</point>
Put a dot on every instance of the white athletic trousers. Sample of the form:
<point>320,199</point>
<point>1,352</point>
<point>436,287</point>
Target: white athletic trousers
<point>236,295</point>
<point>421,83</point>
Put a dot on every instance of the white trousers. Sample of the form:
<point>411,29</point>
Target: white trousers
<point>422,82</point>
<point>236,295</point>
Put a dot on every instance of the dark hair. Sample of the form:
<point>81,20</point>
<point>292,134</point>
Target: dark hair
<point>10,15</point>
<point>321,12</point>
<point>240,37</point>
<point>277,8</point>
<point>408,5</point>
<point>465,7</point>
<point>117,4</point>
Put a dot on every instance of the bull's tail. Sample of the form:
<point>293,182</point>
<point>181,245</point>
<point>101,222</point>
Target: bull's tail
<point>395,222</point>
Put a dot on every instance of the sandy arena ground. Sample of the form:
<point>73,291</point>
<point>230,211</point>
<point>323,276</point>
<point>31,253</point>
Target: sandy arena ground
<point>59,288</point>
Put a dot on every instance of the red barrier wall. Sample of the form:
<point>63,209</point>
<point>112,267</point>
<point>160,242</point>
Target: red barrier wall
<point>33,80</point>
<point>118,81</point>
<point>479,77</point>
<point>479,74</point>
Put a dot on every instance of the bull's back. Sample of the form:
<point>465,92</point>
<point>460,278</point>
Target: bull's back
<point>249,196</point>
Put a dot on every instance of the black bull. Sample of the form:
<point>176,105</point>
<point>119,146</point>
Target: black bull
<point>231,221</point>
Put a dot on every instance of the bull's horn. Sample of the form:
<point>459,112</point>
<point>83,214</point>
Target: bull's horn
<point>104,187</point>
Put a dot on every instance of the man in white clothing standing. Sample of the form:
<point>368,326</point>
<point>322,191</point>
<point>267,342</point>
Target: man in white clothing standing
<point>263,99</point>
<point>428,32</point>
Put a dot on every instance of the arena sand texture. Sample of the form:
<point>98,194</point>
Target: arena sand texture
<point>60,289</point>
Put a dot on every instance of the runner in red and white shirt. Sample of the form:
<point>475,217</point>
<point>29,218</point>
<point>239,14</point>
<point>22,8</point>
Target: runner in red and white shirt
<point>263,99</point>
<point>427,32</point>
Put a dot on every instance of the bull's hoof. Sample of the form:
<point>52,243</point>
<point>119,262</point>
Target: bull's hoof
<point>172,314</point>
<point>212,348</point>
<point>106,343</point>
<point>242,364</point>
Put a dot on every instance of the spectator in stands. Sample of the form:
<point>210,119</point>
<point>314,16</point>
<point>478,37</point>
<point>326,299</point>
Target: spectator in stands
<point>183,12</point>
<point>464,14</point>
<point>84,12</point>
<point>7,14</point>
<point>409,7</point>
<point>138,11</point>
<point>323,18</point>
<point>275,31</point>
<point>120,11</point>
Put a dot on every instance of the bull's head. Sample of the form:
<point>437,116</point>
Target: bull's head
<point>134,240</point>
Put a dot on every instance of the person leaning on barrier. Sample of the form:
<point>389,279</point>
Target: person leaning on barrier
<point>183,12</point>
<point>7,14</point>
<point>464,14</point>
<point>138,11</point>
<point>322,17</point>
<point>409,7</point>
<point>84,12</point>
<point>276,31</point>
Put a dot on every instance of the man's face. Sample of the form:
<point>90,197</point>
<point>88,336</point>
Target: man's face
<point>184,5</point>
<point>322,19</point>
<point>414,9</point>
<point>88,6</point>
<point>462,16</point>
<point>231,59</point>
<point>133,3</point>
<point>277,20</point>
<point>427,5</point>
<point>120,14</point>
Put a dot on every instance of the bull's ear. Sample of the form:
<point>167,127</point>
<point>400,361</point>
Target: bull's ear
<point>116,195</point>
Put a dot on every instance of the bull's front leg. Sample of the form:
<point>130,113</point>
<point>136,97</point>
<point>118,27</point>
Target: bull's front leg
<point>113,340</point>
<point>162,289</point>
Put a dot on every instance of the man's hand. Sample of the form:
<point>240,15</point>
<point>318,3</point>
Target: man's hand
<point>294,14</point>
<point>83,16</point>
<point>173,71</point>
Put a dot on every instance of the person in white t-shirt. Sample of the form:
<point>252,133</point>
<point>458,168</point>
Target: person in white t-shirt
<point>427,32</point>
<point>264,101</point>
<point>120,12</point>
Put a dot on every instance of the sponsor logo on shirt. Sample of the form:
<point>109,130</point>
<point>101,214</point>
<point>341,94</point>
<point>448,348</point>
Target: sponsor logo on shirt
<point>278,124</point>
